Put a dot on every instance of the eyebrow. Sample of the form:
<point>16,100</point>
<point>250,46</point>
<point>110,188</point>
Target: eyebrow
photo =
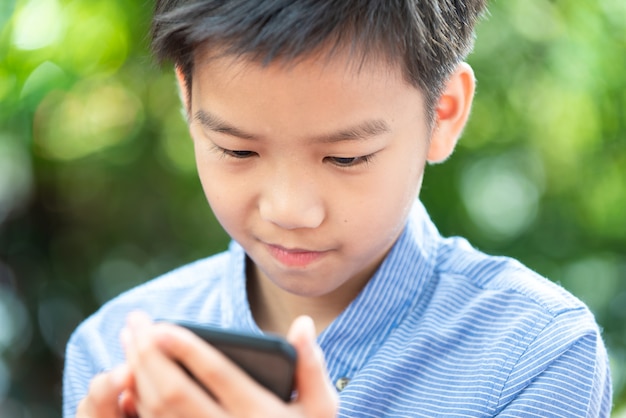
<point>366,129</point>
<point>216,124</point>
<point>363,130</point>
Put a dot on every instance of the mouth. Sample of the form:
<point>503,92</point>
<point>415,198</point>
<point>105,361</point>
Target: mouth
<point>294,257</point>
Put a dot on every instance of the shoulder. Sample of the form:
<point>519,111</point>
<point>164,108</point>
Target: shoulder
<point>488,327</point>
<point>94,346</point>
<point>180,293</point>
<point>516,308</point>
<point>463,265</point>
<point>178,290</point>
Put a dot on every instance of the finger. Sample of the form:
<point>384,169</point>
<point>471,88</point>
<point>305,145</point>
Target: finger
<point>142,390</point>
<point>128,405</point>
<point>316,394</point>
<point>162,387</point>
<point>233,388</point>
<point>102,400</point>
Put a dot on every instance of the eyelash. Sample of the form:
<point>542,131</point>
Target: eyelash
<point>237,154</point>
<point>349,162</point>
<point>341,162</point>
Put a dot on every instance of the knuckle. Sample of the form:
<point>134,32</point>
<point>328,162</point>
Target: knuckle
<point>213,374</point>
<point>211,377</point>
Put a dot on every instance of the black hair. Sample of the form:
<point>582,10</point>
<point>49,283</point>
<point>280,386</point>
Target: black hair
<point>426,38</point>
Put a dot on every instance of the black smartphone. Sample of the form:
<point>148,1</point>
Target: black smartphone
<point>268,359</point>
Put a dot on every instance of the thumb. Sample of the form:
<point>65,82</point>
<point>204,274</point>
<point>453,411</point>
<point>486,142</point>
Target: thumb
<point>315,391</point>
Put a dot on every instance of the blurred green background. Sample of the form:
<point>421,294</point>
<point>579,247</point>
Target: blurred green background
<point>98,189</point>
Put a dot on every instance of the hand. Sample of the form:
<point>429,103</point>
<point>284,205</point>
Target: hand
<point>163,389</point>
<point>109,396</point>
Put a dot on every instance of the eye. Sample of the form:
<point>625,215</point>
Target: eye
<point>239,154</point>
<point>349,161</point>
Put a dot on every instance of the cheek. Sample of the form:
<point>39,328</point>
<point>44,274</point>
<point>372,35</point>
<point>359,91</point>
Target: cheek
<point>223,197</point>
<point>389,201</point>
<point>395,189</point>
<point>379,213</point>
<point>227,208</point>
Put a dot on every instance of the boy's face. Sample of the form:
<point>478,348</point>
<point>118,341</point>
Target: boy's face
<point>312,168</point>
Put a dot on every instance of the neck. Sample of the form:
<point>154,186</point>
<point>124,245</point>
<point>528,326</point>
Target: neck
<point>274,309</point>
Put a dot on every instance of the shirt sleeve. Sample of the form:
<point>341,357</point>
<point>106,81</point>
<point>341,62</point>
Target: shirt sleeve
<point>77,374</point>
<point>563,373</point>
<point>93,348</point>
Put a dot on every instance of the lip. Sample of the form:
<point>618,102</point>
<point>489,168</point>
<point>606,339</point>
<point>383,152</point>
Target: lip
<point>294,257</point>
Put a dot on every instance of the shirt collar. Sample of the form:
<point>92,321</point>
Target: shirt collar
<point>235,310</point>
<point>392,293</point>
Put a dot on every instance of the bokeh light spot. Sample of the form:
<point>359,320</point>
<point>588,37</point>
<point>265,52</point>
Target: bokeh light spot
<point>38,24</point>
<point>5,379</point>
<point>16,177</point>
<point>58,317</point>
<point>15,330</point>
<point>95,115</point>
<point>615,11</point>
<point>12,408</point>
<point>114,276</point>
<point>604,202</point>
<point>8,81</point>
<point>537,20</point>
<point>97,40</point>
<point>594,279</point>
<point>500,198</point>
<point>45,77</point>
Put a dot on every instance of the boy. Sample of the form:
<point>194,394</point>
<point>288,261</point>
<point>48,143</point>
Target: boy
<point>312,123</point>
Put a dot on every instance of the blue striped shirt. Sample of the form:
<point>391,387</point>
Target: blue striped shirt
<point>441,329</point>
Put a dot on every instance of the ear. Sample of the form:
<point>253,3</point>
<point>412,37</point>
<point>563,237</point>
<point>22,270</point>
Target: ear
<point>183,91</point>
<point>451,113</point>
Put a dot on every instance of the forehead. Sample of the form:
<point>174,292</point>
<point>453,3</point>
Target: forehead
<point>314,96</point>
<point>310,80</point>
<point>350,62</point>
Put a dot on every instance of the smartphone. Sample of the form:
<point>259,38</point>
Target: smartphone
<point>268,359</point>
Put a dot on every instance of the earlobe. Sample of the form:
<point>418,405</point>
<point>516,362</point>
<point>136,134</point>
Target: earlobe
<point>451,113</point>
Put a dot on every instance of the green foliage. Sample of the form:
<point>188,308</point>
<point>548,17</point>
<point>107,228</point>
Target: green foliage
<point>98,190</point>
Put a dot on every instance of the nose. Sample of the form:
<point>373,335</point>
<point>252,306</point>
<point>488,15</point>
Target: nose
<point>291,200</point>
